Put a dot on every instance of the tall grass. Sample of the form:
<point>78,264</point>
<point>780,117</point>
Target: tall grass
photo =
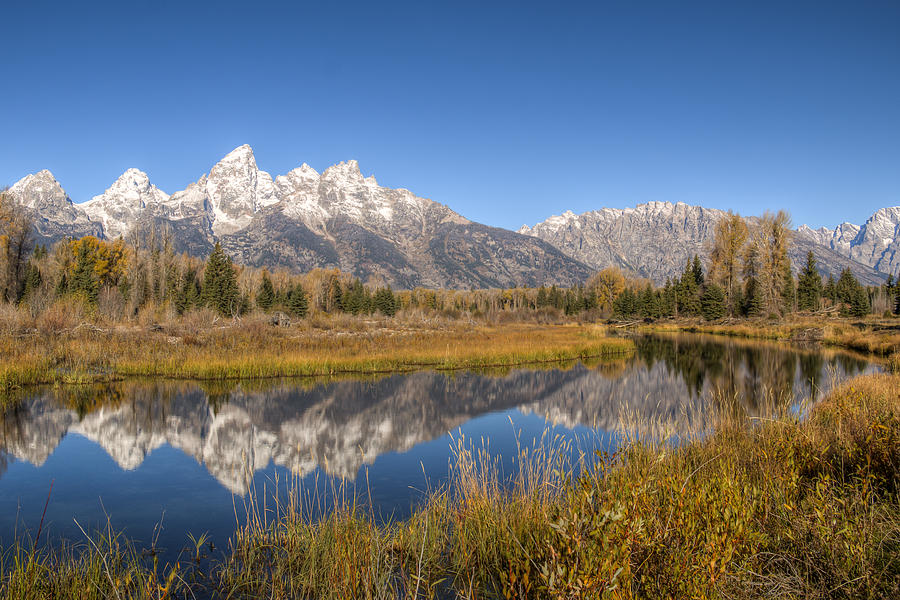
<point>873,335</point>
<point>253,349</point>
<point>774,507</point>
<point>780,508</point>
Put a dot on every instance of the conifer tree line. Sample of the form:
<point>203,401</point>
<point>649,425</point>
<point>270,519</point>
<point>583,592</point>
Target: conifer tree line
<point>749,275</point>
<point>745,273</point>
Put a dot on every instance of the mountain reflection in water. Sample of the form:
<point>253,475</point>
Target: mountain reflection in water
<point>336,427</point>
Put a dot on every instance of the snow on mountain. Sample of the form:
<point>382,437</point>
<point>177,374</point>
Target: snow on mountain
<point>122,204</point>
<point>656,239</point>
<point>875,243</point>
<point>343,219</point>
<point>55,215</point>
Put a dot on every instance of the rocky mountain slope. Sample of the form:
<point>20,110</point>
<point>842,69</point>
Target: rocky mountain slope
<point>656,239</point>
<point>302,220</point>
<point>342,219</point>
<point>53,212</point>
<point>875,243</point>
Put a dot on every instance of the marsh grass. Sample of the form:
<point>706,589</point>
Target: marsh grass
<point>253,350</point>
<point>776,506</point>
<point>104,566</point>
<point>876,336</point>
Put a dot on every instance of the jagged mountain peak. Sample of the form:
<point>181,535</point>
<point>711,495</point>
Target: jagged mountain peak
<point>347,173</point>
<point>302,174</point>
<point>654,239</point>
<point>40,190</point>
<point>237,189</point>
<point>875,243</point>
<point>122,204</point>
<point>242,153</point>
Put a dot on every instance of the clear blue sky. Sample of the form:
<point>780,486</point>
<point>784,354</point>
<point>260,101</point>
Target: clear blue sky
<point>507,112</point>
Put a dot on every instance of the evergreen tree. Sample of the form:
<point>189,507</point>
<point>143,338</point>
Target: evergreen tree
<point>337,295</point>
<point>809,287</point>
<point>669,299</point>
<point>788,290</point>
<point>265,296</point>
<point>830,291</point>
<point>542,298</point>
<point>859,302</point>
<point>753,298</point>
<point>649,303</point>
<point>220,291</point>
<point>83,280</point>
<point>625,304</point>
<point>897,300</point>
<point>33,280</point>
<point>713,302</point>
<point>298,302</point>
<point>356,299</point>
<point>385,302</point>
<point>697,270</point>
<point>189,295</point>
<point>688,292</point>
<point>845,287</point>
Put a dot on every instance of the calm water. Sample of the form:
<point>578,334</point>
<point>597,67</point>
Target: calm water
<point>162,459</point>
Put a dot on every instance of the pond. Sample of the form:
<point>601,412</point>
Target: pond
<point>161,459</point>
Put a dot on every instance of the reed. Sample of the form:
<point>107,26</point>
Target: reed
<point>778,506</point>
<point>880,337</point>
<point>253,349</point>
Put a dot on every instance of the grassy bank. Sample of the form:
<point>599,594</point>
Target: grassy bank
<point>873,336</point>
<point>775,508</point>
<point>254,349</point>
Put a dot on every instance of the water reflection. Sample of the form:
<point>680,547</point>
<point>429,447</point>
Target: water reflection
<point>340,426</point>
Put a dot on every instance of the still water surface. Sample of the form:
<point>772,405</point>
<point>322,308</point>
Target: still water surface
<point>161,459</point>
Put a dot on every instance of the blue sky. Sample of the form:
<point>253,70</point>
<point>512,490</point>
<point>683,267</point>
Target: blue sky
<point>507,112</point>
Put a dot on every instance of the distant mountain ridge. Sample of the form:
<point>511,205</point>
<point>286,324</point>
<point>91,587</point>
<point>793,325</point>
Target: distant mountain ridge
<point>341,219</point>
<point>656,239</point>
<point>303,220</point>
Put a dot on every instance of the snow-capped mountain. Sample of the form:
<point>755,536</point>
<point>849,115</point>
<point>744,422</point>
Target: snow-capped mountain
<point>656,239</point>
<point>342,219</point>
<point>123,203</point>
<point>302,220</point>
<point>54,213</point>
<point>876,243</point>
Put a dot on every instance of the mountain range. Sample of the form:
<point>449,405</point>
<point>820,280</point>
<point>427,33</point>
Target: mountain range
<point>342,219</point>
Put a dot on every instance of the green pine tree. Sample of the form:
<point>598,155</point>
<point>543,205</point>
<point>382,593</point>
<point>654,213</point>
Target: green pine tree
<point>33,280</point>
<point>713,302</point>
<point>830,290</point>
<point>83,281</point>
<point>753,299</point>
<point>688,292</point>
<point>859,302</point>
<point>385,302</point>
<point>298,302</point>
<point>809,285</point>
<point>697,271</point>
<point>788,290</point>
<point>265,296</point>
<point>220,291</point>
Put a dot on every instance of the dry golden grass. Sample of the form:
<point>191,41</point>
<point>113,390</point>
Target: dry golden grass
<point>872,335</point>
<point>200,347</point>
